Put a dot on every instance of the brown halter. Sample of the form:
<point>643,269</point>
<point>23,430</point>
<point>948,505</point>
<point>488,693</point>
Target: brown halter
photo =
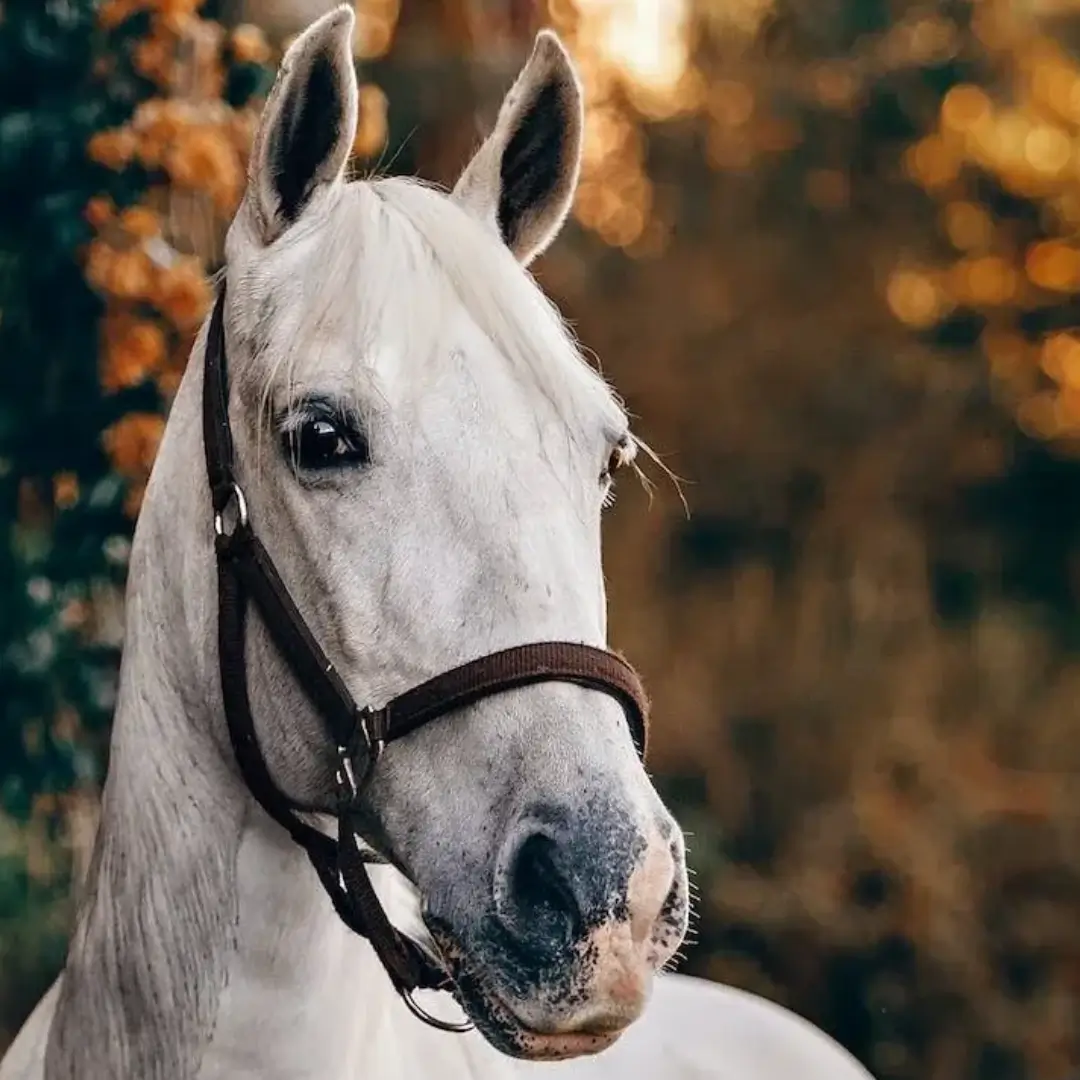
<point>358,734</point>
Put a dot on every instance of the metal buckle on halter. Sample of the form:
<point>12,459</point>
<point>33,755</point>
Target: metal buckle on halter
<point>239,503</point>
<point>374,742</point>
<point>348,782</point>
<point>345,776</point>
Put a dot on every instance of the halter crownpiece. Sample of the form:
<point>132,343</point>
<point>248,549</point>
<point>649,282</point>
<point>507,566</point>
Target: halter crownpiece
<point>358,734</point>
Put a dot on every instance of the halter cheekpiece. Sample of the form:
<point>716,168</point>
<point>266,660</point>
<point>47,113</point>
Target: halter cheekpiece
<point>359,735</point>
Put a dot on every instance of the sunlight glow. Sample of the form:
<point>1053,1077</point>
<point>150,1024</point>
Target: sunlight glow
<point>646,39</point>
<point>634,60</point>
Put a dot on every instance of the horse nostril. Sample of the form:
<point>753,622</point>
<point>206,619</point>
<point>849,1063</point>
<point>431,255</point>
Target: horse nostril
<point>542,898</point>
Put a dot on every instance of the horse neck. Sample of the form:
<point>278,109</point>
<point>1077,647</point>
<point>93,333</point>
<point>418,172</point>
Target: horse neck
<point>191,887</point>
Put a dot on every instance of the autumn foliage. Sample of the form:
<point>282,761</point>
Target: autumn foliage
<point>192,145</point>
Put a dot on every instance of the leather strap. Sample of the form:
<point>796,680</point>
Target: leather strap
<point>339,863</point>
<point>246,572</point>
<point>510,669</point>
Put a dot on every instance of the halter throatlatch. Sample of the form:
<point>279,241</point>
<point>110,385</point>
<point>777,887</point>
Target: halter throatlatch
<point>358,735</point>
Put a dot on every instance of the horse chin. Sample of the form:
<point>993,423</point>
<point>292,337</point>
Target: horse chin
<point>534,1046</point>
<point>500,1025</point>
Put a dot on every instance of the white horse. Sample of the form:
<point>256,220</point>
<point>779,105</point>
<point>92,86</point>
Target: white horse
<point>425,455</point>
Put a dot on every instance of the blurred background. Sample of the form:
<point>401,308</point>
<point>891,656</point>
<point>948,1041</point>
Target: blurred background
<point>829,252</point>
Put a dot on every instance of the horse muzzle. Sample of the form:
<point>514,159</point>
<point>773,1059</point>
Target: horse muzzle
<point>563,960</point>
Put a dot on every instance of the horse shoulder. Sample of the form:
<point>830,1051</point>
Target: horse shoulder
<point>25,1059</point>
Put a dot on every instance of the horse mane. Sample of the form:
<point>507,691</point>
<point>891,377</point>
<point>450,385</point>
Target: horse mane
<point>505,301</point>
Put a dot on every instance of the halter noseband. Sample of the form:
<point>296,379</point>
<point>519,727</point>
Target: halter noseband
<point>358,734</point>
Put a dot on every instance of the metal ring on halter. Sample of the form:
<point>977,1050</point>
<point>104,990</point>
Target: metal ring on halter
<point>434,1021</point>
<point>237,497</point>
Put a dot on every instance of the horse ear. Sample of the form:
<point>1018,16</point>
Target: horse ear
<point>308,124</point>
<point>523,178</point>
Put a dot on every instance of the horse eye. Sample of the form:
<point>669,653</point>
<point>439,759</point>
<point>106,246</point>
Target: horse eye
<point>318,443</point>
<point>614,462</point>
